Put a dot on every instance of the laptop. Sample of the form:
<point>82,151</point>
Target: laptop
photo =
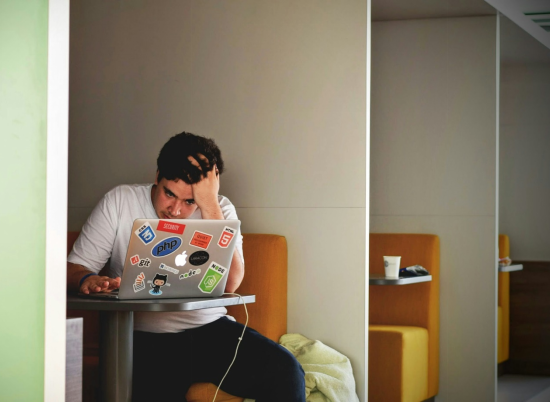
<point>176,259</point>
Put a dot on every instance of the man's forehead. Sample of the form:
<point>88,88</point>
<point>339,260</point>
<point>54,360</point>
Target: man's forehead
<point>181,189</point>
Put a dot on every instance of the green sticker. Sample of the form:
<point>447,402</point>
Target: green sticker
<point>212,277</point>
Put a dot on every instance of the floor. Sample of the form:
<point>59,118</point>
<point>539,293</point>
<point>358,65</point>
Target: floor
<point>523,388</point>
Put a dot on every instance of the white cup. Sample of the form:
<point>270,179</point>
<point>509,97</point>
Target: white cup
<point>391,265</point>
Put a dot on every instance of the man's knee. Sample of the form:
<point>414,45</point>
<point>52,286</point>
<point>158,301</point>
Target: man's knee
<point>288,367</point>
<point>290,378</point>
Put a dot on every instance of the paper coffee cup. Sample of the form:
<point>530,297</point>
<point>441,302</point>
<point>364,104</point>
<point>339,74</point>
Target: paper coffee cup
<point>391,266</point>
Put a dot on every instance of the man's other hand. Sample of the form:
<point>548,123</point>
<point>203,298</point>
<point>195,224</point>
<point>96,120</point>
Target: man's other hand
<point>205,192</point>
<point>95,284</point>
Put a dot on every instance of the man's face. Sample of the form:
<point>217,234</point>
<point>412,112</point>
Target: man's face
<point>173,199</point>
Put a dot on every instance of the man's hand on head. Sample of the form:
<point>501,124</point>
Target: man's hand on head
<point>205,192</point>
<point>95,284</point>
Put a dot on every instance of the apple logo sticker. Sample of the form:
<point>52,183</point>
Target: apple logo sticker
<point>181,260</point>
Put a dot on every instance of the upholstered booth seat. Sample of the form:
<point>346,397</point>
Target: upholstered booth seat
<point>265,258</point>
<point>399,357</point>
<point>500,335</point>
<point>404,322</point>
<point>503,351</point>
<point>268,314</point>
<point>204,392</point>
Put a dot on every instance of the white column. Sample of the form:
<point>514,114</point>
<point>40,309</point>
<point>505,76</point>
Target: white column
<point>56,200</point>
<point>367,200</point>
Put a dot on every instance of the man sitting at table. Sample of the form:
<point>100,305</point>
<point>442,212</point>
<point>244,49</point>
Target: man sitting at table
<point>172,350</point>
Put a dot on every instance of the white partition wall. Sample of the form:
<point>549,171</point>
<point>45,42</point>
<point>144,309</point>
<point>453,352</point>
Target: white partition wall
<point>280,85</point>
<point>524,143</point>
<point>433,170</point>
<point>34,46</point>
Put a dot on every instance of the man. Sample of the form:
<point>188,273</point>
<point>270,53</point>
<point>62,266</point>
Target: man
<point>202,343</point>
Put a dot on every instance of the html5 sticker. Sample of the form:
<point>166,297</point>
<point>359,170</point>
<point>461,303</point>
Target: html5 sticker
<point>200,240</point>
<point>226,237</point>
<point>172,227</point>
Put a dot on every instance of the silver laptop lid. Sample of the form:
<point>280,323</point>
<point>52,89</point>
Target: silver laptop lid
<point>178,258</point>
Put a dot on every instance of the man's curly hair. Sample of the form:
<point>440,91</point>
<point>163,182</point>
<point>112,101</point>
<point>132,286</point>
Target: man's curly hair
<point>173,162</point>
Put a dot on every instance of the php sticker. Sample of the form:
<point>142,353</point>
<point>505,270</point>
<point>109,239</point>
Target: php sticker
<point>139,284</point>
<point>226,237</point>
<point>134,260</point>
<point>145,233</point>
<point>172,227</point>
<point>168,268</point>
<point>191,273</point>
<point>212,278</point>
<point>200,240</point>
<point>199,257</point>
<point>166,247</point>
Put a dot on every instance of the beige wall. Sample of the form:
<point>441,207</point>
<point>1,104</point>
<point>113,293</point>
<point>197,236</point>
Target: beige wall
<point>281,87</point>
<point>433,170</point>
<point>525,159</point>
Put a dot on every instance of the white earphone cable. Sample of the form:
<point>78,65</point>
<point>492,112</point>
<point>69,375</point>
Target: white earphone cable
<point>238,344</point>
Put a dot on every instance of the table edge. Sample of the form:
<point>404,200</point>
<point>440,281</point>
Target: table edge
<point>511,268</point>
<point>401,281</point>
<point>167,305</point>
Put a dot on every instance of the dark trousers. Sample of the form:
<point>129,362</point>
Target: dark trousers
<point>166,364</point>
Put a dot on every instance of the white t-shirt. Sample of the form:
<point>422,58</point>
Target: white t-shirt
<point>104,240</point>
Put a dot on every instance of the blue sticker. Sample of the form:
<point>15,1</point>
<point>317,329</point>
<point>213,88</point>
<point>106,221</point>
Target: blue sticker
<point>166,247</point>
<point>145,233</point>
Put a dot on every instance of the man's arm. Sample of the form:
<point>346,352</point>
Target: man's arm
<point>236,272</point>
<point>91,284</point>
<point>205,194</point>
<point>98,234</point>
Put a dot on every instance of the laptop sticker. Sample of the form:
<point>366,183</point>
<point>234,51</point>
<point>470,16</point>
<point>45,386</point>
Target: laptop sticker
<point>172,227</point>
<point>226,237</point>
<point>199,257</point>
<point>166,246</point>
<point>200,240</point>
<point>181,259</point>
<point>159,281</point>
<point>168,268</point>
<point>191,273</point>
<point>212,278</point>
<point>144,262</point>
<point>139,284</point>
<point>134,260</point>
<point>145,233</point>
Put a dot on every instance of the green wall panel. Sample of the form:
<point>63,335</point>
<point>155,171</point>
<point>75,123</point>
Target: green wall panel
<point>23,108</point>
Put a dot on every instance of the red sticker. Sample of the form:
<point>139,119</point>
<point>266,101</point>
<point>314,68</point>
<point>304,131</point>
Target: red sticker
<point>226,237</point>
<point>172,227</point>
<point>200,240</point>
<point>134,259</point>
